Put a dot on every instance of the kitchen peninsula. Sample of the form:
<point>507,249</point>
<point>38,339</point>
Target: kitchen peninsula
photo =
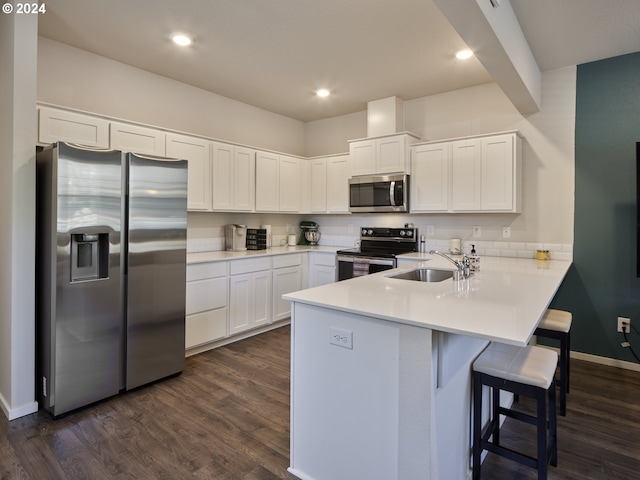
<point>381,367</point>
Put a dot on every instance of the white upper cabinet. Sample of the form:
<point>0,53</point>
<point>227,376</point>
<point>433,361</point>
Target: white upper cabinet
<point>501,173</point>
<point>476,174</point>
<point>137,139</point>
<point>305,185</point>
<point>338,174</point>
<point>234,176</point>
<point>289,184</point>
<point>318,180</point>
<point>429,182</point>
<point>466,160</point>
<point>197,152</point>
<point>330,184</point>
<point>267,182</point>
<point>389,154</point>
<point>277,183</point>
<point>59,125</point>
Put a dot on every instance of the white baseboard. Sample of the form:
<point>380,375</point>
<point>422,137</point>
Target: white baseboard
<point>611,362</point>
<point>13,413</point>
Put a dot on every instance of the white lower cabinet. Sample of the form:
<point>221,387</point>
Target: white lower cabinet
<point>206,303</point>
<point>229,297</point>
<point>322,268</point>
<point>287,278</point>
<point>249,294</point>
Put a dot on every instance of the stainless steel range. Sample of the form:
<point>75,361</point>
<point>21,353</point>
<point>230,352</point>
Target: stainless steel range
<point>378,250</point>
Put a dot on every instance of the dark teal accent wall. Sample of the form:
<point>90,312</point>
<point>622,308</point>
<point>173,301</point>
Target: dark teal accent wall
<point>602,283</point>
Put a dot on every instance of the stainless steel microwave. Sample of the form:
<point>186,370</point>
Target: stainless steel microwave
<point>380,193</point>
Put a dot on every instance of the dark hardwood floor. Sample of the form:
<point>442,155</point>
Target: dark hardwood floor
<point>227,417</point>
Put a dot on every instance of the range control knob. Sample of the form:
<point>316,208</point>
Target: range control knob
<point>402,233</point>
<point>364,231</point>
<point>409,233</point>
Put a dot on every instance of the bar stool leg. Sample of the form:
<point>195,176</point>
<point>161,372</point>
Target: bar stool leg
<point>553,426</point>
<point>477,425</point>
<point>495,415</point>
<point>564,369</point>
<point>541,401</point>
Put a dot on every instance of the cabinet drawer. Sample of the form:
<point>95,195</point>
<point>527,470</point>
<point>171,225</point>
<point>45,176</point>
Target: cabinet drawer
<point>280,261</point>
<point>200,271</point>
<point>248,265</point>
<point>206,295</point>
<point>205,327</point>
<point>326,259</point>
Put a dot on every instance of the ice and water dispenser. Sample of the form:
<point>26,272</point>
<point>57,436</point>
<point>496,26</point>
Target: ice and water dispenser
<point>89,256</point>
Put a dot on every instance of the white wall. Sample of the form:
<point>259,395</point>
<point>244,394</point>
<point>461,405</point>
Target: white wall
<point>77,79</point>
<point>331,136</point>
<point>17,215</point>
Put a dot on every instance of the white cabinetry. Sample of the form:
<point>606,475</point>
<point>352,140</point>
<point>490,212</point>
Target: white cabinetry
<point>197,152</point>
<point>475,174</point>
<point>289,184</point>
<point>338,174</point>
<point>249,294</point>
<point>206,303</point>
<point>429,182</point>
<point>234,176</point>
<point>287,278</point>
<point>466,159</point>
<point>487,174</point>
<point>277,183</point>
<point>501,173</point>
<point>322,268</point>
<point>318,180</point>
<point>389,154</point>
<point>60,125</point>
<point>137,139</point>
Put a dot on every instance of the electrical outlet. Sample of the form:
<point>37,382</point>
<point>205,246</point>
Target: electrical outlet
<point>477,231</point>
<point>624,325</point>
<point>431,230</point>
<point>506,232</point>
<point>340,337</point>
<point>289,229</point>
<point>350,228</point>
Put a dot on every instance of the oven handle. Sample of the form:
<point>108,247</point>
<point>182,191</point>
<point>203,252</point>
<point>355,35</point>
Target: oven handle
<point>372,260</point>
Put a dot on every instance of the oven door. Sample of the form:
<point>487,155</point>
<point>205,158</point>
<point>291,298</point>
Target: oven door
<point>350,266</point>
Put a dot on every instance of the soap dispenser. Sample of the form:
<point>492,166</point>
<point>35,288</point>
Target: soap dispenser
<point>475,259</point>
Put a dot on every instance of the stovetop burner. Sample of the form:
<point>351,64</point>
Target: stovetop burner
<point>385,242</point>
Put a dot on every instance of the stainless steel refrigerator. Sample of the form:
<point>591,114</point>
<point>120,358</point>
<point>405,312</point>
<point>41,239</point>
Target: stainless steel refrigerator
<point>111,273</point>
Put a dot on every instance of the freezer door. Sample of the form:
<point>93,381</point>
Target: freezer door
<point>155,269</point>
<point>79,302</point>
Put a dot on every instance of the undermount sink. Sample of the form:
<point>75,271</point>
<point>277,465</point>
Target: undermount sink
<point>424,275</point>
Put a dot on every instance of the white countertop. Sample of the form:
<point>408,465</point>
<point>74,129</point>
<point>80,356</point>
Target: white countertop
<point>216,256</point>
<point>502,302</point>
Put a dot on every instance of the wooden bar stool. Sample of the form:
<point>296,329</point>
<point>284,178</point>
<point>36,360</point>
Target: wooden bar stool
<point>528,371</point>
<point>556,324</point>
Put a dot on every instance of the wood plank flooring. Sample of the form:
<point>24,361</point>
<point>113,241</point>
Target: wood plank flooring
<point>227,417</point>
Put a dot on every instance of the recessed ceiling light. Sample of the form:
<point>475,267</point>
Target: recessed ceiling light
<point>323,92</point>
<point>181,39</point>
<point>464,54</point>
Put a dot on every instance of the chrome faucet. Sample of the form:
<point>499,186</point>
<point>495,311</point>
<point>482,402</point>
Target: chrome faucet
<point>464,265</point>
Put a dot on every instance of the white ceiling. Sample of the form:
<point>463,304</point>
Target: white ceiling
<point>274,53</point>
